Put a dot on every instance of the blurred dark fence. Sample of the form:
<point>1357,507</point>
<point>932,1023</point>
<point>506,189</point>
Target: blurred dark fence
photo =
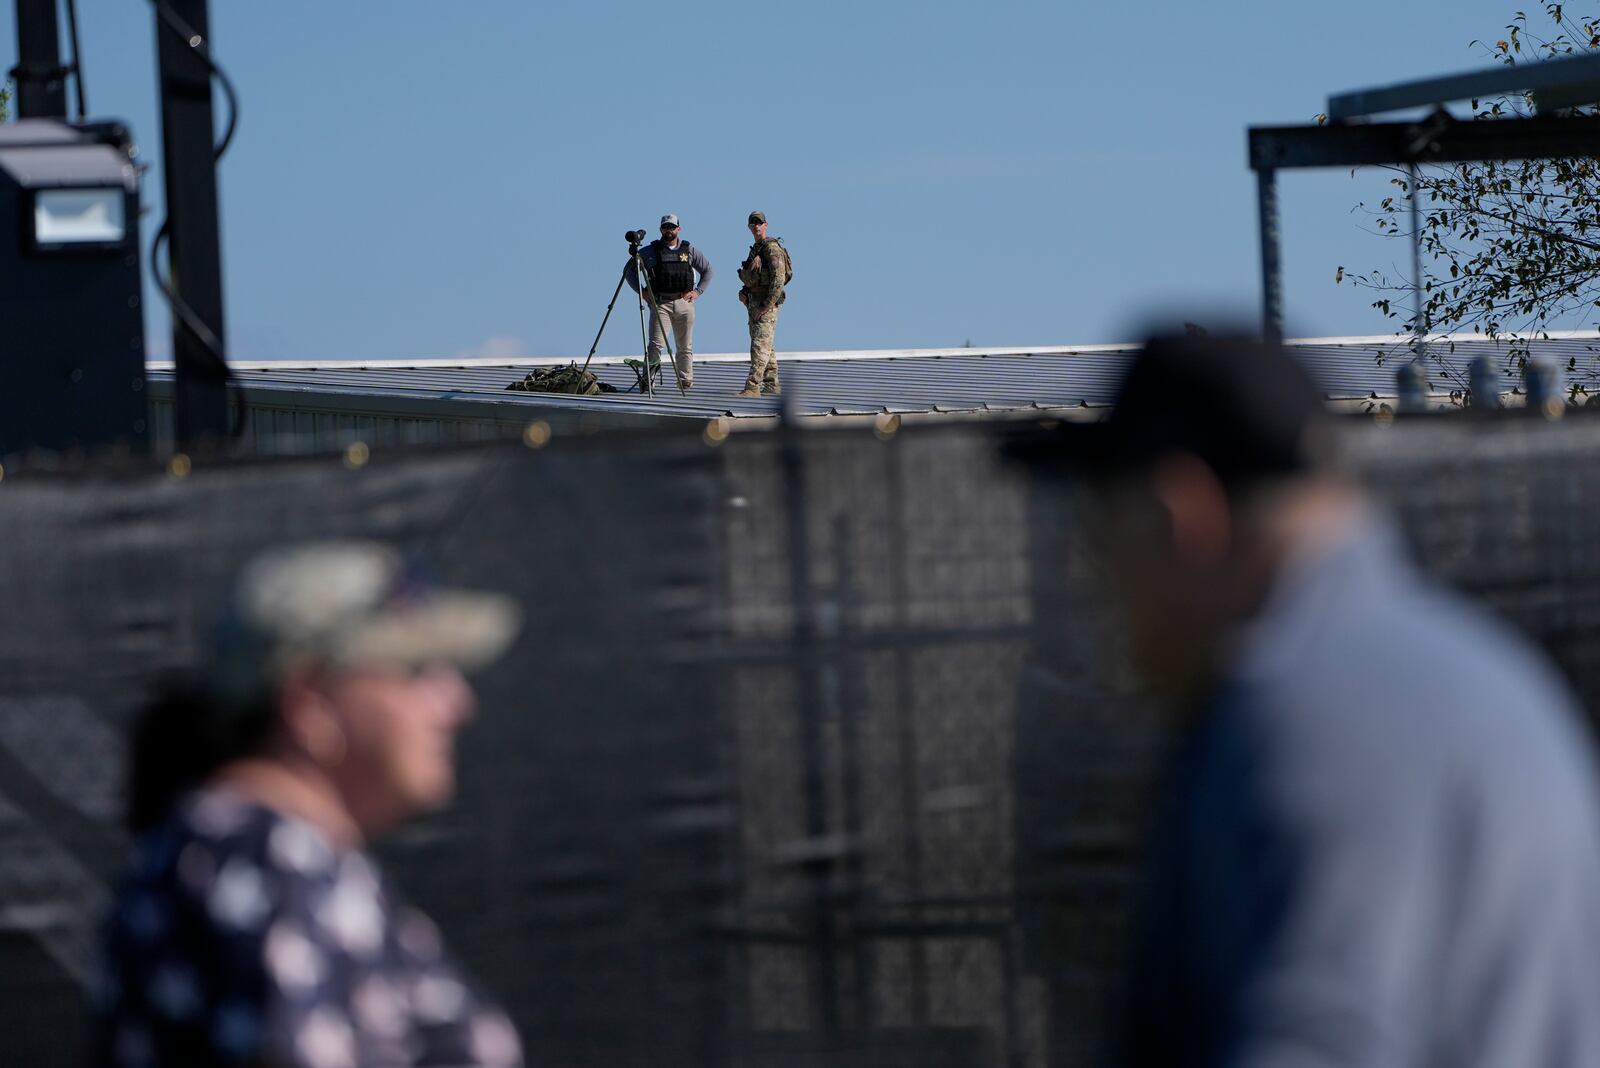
<point>815,751</point>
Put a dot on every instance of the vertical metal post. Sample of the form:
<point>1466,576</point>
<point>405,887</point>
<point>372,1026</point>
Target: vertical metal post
<point>808,656</point>
<point>850,709</point>
<point>187,129</point>
<point>1271,265</point>
<point>1419,325</point>
<point>906,721</point>
<point>40,77</point>
<point>644,331</point>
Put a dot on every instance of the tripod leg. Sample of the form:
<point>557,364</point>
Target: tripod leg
<point>665,326</point>
<point>666,339</point>
<point>661,324</point>
<point>614,294</point>
<point>644,335</point>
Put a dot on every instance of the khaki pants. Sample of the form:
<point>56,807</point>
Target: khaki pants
<point>763,364</point>
<point>680,313</point>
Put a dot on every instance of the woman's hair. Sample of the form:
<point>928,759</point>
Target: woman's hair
<point>179,738</point>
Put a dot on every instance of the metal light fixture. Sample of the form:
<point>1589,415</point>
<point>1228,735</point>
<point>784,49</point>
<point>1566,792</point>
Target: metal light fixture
<point>79,219</point>
<point>72,352</point>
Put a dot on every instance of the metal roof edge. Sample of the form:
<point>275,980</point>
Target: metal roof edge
<point>710,357</point>
<point>512,363</point>
<point>1440,339</point>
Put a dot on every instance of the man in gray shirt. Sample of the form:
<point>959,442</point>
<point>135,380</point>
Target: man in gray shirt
<point>1379,843</point>
<point>671,264</point>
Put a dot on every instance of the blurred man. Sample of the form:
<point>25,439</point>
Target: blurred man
<point>765,271</point>
<point>671,264</point>
<point>1379,842</point>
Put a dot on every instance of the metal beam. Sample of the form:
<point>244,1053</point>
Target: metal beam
<point>40,77</point>
<point>187,130</point>
<point>1557,77</point>
<point>1433,141</point>
<point>1271,272</point>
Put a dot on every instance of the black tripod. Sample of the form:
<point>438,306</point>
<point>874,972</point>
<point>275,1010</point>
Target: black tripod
<point>636,261</point>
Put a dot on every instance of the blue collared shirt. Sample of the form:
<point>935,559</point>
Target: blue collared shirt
<point>1380,845</point>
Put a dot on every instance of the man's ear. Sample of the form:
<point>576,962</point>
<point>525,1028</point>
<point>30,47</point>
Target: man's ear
<point>307,716</point>
<point>1197,508</point>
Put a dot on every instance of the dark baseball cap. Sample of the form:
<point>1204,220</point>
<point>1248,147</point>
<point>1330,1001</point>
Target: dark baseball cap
<point>756,216</point>
<point>1247,409</point>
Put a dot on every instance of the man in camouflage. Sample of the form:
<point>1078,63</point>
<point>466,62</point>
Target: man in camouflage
<point>764,273</point>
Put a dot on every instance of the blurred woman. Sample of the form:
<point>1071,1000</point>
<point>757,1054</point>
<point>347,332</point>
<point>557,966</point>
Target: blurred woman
<point>254,929</point>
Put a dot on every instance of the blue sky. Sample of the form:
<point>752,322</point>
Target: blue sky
<point>422,179</point>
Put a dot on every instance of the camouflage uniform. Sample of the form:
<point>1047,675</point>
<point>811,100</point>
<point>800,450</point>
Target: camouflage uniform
<point>763,274</point>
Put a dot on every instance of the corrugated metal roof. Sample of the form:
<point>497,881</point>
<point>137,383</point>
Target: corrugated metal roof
<point>968,380</point>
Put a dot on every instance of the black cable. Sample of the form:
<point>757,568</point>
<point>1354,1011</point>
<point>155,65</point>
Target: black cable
<point>197,44</point>
<point>77,59</point>
<point>190,317</point>
<point>187,315</point>
<point>198,327</point>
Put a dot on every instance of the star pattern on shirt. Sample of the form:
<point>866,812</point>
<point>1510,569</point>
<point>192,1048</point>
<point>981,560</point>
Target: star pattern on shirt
<point>243,936</point>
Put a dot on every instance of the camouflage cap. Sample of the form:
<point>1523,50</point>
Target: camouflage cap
<point>348,604</point>
<point>755,217</point>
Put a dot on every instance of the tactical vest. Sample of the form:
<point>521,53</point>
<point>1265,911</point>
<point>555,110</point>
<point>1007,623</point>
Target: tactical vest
<point>674,270</point>
<point>774,269</point>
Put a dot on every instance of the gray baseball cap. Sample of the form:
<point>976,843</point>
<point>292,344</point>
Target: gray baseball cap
<point>348,604</point>
<point>670,220</point>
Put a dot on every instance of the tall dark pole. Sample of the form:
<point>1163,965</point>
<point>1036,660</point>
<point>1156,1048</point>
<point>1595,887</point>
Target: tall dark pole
<point>41,79</point>
<point>1271,265</point>
<point>195,249</point>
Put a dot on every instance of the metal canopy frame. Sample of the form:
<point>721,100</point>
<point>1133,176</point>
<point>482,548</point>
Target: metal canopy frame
<point>1554,84</point>
<point>1437,138</point>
